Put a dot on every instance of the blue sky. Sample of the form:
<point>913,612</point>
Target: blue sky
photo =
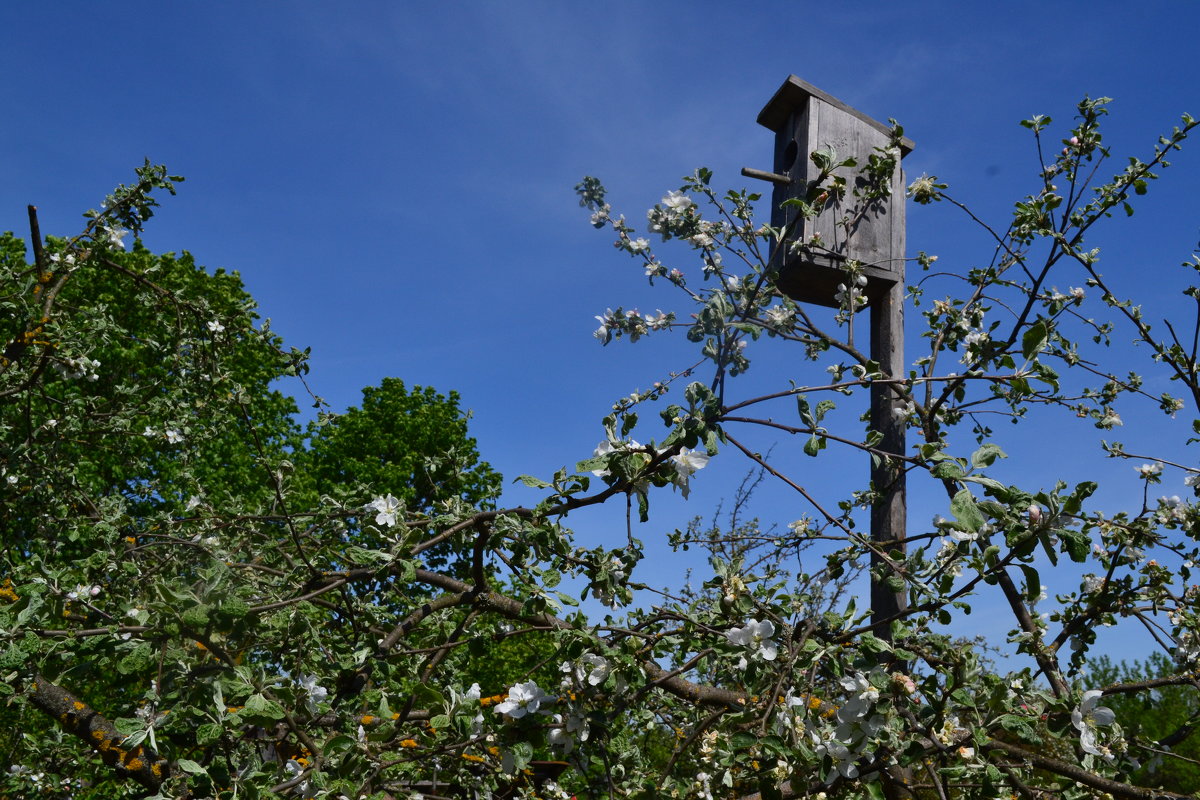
<point>394,180</point>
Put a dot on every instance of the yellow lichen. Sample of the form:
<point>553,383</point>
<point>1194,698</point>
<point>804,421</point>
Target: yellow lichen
<point>408,743</point>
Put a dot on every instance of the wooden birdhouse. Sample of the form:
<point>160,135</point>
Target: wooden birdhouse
<point>811,261</point>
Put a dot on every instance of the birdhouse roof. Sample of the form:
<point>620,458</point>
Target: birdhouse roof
<point>795,92</point>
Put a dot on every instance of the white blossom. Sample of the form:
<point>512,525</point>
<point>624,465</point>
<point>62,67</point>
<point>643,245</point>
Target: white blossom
<point>387,507</point>
<point>215,326</point>
<point>115,236</point>
<point>523,698</point>
<point>677,202</point>
<point>756,637</point>
<point>687,463</point>
<point>173,436</point>
<point>294,770</point>
<point>590,669</point>
<point>1149,470</point>
<point>1087,718</point>
<point>316,693</point>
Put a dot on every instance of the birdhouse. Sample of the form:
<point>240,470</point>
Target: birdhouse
<point>811,261</point>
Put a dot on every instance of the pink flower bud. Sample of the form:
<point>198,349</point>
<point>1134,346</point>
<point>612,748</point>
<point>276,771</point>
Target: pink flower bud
<point>1074,141</point>
<point>1035,514</point>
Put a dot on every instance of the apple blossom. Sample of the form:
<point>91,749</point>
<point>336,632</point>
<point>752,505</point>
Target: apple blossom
<point>523,698</point>
<point>388,508</point>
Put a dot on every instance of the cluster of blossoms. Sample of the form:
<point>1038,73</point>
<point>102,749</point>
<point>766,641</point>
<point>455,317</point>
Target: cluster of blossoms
<point>172,435</point>
<point>852,295</point>
<point>585,675</point>
<point>75,368</point>
<point>855,727</point>
<point>951,734</point>
<point>83,592</point>
<point>632,323</point>
<point>686,462</point>
<point>68,260</point>
<point>1075,294</point>
<point>1171,510</point>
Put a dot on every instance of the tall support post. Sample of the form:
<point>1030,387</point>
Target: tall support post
<point>888,476</point>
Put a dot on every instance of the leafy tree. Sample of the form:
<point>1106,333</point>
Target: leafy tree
<point>413,445</point>
<point>306,645</point>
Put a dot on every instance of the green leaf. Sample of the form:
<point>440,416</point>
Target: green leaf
<point>986,455</point>
<point>814,445</point>
<point>742,740</point>
<point>1034,339</point>
<point>208,733</point>
<point>1033,582</point>
<point>536,483</point>
<point>190,767</point>
<point>1078,544</point>
<point>135,661</point>
<point>258,707</point>
<point>947,469</point>
<point>966,512</point>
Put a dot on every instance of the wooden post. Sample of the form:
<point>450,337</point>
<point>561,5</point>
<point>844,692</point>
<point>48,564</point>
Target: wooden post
<point>889,513</point>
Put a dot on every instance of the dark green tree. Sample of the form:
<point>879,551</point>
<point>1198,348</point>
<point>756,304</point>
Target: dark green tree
<point>412,444</point>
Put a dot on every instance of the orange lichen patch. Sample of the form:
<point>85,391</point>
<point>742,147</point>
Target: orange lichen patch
<point>367,719</point>
<point>494,750</point>
<point>7,593</point>
<point>490,701</point>
<point>200,646</point>
<point>79,706</point>
<point>410,743</point>
<point>156,769</point>
<point>233,709</point>
<point>131,539</point>
<point>135,765</point>
<point>396,715</point>
<point>475,758</point>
